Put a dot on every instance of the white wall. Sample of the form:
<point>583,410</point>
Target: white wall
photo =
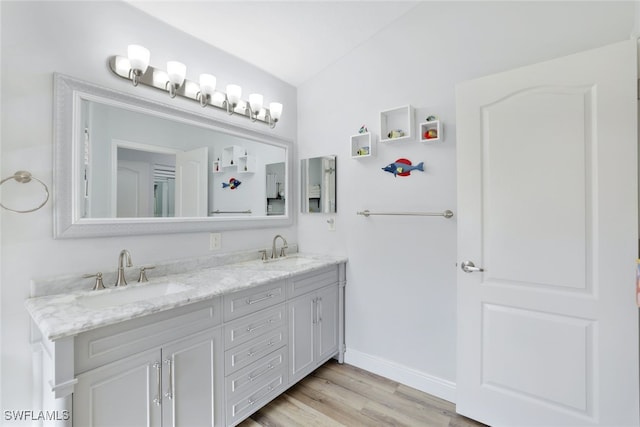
<point>76,38</point>
<point>401,288</point>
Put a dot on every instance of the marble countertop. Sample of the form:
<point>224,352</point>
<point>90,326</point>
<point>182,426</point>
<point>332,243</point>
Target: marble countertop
<point>64,314</point>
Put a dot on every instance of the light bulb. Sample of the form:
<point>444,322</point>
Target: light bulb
<point>255,101</point>
<point>207,84</point>
<point>138,57</point>
<point>275,108</point>
<point>176,72</point>
<point>234,92</point>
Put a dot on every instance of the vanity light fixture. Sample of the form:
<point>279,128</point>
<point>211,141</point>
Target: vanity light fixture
<point>234,93</point>
<point>139,61</point>
<point>255,105</point>
<point>176,72</point>
<point>135,67</point>
<point>276,111</point>
<point>207,89</point>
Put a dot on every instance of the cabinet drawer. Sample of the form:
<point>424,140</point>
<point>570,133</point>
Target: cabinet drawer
<point>247,353</point>
<point>255,325</point>
<point>245,404</point>
<point>103,345</point>
<point>252,377</point>
<point>251,300</point>
<point>308,282</point>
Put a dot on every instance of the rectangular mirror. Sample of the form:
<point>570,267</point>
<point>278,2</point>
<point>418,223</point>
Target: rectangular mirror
<point>126,165</point>
<point>318,184</point>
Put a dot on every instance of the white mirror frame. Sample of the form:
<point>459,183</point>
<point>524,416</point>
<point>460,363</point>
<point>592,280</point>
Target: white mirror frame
<point>68,94</point>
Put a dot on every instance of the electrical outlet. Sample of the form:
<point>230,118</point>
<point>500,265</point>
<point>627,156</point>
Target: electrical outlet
<point>215,241</point>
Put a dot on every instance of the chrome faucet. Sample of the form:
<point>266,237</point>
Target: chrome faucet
<point>273,247</point>
<point>122,281</point>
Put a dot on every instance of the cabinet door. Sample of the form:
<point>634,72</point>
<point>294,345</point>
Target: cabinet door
<point>327,326</point>
<point>302,319</point>
<point>192,381</point>
<point>120,394</point>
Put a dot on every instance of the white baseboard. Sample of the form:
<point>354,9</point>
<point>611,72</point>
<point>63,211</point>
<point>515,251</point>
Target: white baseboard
<point>435,386</point>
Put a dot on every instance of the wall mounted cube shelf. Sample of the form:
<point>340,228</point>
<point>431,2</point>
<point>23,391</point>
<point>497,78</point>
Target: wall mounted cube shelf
<point>397,124</point>
<point>236,158</point>
<point>246,164</point>
<point>362,145</point>
<point>431,131</point>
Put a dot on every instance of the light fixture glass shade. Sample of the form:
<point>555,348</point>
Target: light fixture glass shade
<point>207,84</point>
<point>234,93</point>
<point>176,72</point>
<point>138,57</point>
<point>275,108</point>
<point>255,101</point>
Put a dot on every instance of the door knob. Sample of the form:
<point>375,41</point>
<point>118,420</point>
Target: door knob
<point>469,267</point>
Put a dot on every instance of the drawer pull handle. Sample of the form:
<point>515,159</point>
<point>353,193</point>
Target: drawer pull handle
<point>256,376</point>
<point>253,353</point>
<point>267,323</point>
<point>254,399</point>
<point>158,399</point>
<point>253,301</point>
<point>169,393</point>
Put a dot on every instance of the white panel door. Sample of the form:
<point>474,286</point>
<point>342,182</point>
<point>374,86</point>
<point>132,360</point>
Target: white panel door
<point>191,182</point>
<point>120,394</point>
<point>134,190</point>
<point>192,381</point>
<point>327,322</point>
<point>547,206</point>
<point>302,324</point>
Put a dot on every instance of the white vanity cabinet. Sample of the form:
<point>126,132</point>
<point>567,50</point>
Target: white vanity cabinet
<point>208,363</point>
<point>174,383</point>
<point>171,386</point>
<point>314,320</point>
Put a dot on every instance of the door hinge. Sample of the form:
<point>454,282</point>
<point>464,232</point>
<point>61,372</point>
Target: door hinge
<point>638,89</point>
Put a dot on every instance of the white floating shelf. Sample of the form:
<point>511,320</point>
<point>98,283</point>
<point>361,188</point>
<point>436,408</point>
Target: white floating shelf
<point>362,145</point>
<point>397,124</point>
<point>431,131</point>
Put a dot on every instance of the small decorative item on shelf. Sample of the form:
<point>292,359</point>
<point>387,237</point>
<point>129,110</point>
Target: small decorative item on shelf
<point>233,184</point>
<point>363,151</point>
<point>430,134</point>
<point>396,133</point>
<point>363,129</point>
<point>431,118</point>
<point>403,167</point>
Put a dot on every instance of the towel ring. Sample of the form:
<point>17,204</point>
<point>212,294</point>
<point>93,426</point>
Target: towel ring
<point>24,177</point>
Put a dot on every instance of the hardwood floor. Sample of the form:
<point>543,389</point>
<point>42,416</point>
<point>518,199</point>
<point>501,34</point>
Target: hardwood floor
<point>343,395</point>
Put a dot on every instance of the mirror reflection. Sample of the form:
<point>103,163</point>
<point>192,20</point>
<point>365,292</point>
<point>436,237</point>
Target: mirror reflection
<point>318,184</point>
<point>140,165</point>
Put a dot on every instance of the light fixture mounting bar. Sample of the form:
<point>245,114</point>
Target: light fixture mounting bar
<point>157,78</point>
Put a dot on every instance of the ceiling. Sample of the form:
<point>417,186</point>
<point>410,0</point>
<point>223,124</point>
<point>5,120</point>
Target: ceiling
<point>293,40</point>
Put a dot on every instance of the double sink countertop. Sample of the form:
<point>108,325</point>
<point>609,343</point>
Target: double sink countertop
<point>70,313</point>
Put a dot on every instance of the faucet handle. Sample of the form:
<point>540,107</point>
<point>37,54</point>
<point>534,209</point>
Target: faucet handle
<point>99,284</point>
<point>263,254</point>
<point>143,273</point>
<point>282,253</point>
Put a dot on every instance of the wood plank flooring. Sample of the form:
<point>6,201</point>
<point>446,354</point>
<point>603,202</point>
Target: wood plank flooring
<point>343,395</point>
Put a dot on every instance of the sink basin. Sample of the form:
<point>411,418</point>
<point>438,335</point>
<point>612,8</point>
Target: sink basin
<point>287,262</point>
<point>130,294</point>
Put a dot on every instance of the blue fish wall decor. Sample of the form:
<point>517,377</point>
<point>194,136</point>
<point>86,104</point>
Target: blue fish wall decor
<point>233,184</point>
<point>403,167</point>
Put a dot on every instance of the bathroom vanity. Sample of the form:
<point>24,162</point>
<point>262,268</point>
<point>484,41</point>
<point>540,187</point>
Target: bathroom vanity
<point>205,347</point>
